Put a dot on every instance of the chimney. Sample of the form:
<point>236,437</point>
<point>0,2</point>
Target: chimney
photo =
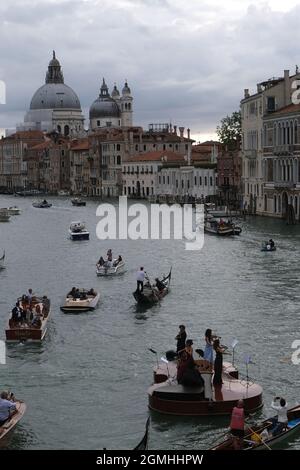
<point>175,130</point>
<point>287,88</point>
<point>181,131</point>
<point>246,93</point>
<point>189,133</point>
<point>189,155</point>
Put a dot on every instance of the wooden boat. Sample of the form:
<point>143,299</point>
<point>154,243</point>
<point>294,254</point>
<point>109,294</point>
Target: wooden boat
<point>4,215</point>
<point>143,444</point>
<point>168,397</point>
<point>111,270</point>
<point>8,427</point>
<point>77,201</point>
<point>215,227</point>
<point>77,231</point>
<point>2,260</point>
<point>31,331</point>
<point>84,303</point>
<point>42,204</point>
<point>151,294</point>
<point>254,440</point>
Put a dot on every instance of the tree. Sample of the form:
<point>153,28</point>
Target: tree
<point>229,132</point>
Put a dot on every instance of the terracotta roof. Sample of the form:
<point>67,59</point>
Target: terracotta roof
<point>42,146</point>
<point>156,157</point>
<point>81,144</point>
<point>289,109</point>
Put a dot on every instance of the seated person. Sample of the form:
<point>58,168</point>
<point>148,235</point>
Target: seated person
<point>7,407</point>
<point>117,261</point>
<point>160,285</point>
<point>101,261</point>
<point>72,292</point>
<point>83,296</point>
<point>271,243</point>
<point>92,292</point>
<point>187,372</point>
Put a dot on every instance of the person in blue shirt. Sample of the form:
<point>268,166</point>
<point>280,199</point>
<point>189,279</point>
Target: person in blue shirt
<point>7,408</point>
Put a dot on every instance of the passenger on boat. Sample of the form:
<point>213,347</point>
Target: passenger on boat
<point>160,285</point>
<point>187,372</point>
<point>218,365</point>
<point>7,407</point>
<point>117,261</point>
<point>140,277</point>
<point>30,296</point>
<point>46,305</point>
<point>92,292</point>
<point>72,292</point>
<point>16,312</point>
<point>208,351</point>
<point>101,261</point>
<point>109,255</point>
<point>281,420</point>
<point>271,243</point>
<point>181,338</point>
<point>237,425</point>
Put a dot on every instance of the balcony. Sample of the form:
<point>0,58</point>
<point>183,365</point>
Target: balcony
<point>285,149</point>
<point>251,154</point>
<point>284,185</point>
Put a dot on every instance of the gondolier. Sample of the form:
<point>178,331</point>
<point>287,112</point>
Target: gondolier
<point>140,277</point>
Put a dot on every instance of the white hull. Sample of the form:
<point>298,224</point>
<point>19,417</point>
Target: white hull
<point>80,305</point>
<point>112,271</point>
<point>14,211</point>
<point>83,235</point>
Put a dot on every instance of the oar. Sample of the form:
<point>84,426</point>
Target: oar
<point>261,440</point>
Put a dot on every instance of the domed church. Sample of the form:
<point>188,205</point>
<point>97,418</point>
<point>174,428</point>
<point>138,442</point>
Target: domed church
<point>113,110</point>
<point>54,106</point>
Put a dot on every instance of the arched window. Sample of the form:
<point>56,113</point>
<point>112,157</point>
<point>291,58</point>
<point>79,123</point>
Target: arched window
<point>296,132</point>
<point>125,106</point>
<point>66,130</point>
<point>129,106</point>
<point>296,205</point>
<point>59,128</point>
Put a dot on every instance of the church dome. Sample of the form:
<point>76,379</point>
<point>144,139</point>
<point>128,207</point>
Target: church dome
<point>55,94</point>
<point>104,105</point>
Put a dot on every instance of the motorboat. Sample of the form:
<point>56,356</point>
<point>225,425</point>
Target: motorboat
<point>77,201</point>
<point>63,192</point>
<point>34,327</point>
<point>110,268</point>
<point>8,427</point>
<point>152,294</point>
<point>42,204</point>
<point>266,246</point>
<point>77,231</point>
<point>217,227</point>
<point>29,192</point>
<point>80,300</point>
<point>14,210</point>
<point>4,215</point>
<point>2,260</point>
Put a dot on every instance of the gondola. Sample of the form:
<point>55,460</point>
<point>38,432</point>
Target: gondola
<point>143,444</point>
<point>254,440</point>
<point>42,204</point>
<point>151,294</point>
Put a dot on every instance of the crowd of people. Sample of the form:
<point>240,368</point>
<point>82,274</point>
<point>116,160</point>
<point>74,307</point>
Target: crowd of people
<point>29,311</point>
<point>109,262</point>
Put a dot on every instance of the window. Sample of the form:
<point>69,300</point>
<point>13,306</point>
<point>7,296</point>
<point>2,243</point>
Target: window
<point>164,179</point>
<point>168,179</point>
<point>118,147</point>
<point>164,147</point>
<point>176,183</point>
<point>182,184</point>
<point>195,180</point>
<point>108,123</point>
<point>66,130</point>
<point>210,181</point>
<point>270,104</point>
<point>136,147</point>
<point>59,128</point>
<point>147,191</point>
<point>200,180</point>
<point>118,160</point>
<point>98,123</point>
<point>205,181</point>
<point>125,190</point>
<point>159,179</point>
<point>145,147</point>
<point>170,145</point>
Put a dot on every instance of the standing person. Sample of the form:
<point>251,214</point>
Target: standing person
<point>271,243</point>
<point>280,421</point>
<point>29,296</point>
<point>208,351</point>
<point>140,277</point>
<point>218,366</point>
<point>189,347</point>
<point>109,255</point>
<point>7,408</point>
<point>16,313</point>
<point>181,338</point>
<point>237,425</point>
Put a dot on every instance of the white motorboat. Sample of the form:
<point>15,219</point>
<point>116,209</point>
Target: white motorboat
<point>2,260</point>
<point>110,269</point>
<point>78,231</point>
<point>216,227</point>
<point>80,300</point>
<point>4,215</point>
<point>63,192</point>
<point>42,204</point>
<point>14,210</point>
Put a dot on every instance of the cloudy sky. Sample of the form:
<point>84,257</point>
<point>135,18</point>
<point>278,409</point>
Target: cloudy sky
<point>185,61</point>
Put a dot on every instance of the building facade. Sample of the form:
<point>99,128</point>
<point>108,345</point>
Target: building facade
<point>229,169</point>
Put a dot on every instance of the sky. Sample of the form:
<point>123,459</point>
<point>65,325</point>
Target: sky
<point>186,62</point>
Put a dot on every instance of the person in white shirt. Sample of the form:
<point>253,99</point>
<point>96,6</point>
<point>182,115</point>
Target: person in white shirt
<point>280,421</point>
<point>140,277</point>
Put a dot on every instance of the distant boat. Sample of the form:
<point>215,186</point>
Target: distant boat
<point>14,210</point>
<point>84,301</point>
<point>2,260</point>
<point>77,201</point>
<point>4,215</point>
<point>31,330</point>
<point>42,204</point>
<point>63,192</point>
<point>152,294</point>
<point>77,231</point>
<point>215,227</point>
<point>29,192</point>
<point>111,270</point>
<point>267,247</point>
<point>8,427</point>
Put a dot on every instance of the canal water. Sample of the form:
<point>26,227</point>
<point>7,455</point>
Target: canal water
<point>86,385</point>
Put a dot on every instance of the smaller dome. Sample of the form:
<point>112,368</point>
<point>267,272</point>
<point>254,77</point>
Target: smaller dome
<point>115,93</point>
<point>126,90</point>
<point>104,108</point>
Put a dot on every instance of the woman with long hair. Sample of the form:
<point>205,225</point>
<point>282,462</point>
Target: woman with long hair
<point>218,366</point>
